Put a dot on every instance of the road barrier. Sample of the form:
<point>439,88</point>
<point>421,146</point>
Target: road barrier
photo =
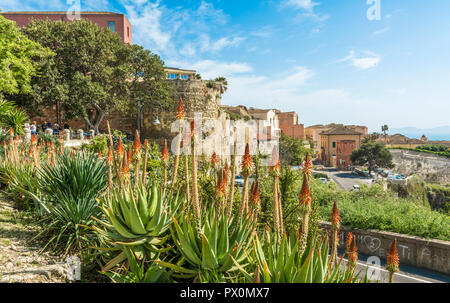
<point>415,251</point>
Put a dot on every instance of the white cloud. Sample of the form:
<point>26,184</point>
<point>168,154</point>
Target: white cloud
<point>307,5</point>
<point>368,61</point>
<point>146,21</point>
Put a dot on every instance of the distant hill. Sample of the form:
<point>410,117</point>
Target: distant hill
<point>436,133</point>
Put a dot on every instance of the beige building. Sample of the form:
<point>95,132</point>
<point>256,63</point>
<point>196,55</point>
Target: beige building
<point>312,134</point>
<point>337,145</point>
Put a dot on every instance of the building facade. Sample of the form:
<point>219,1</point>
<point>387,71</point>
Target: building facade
<point>312,133</point>
<point>288,124</point>
<point>117,23</point>
<point>173,73</point>
<point>337,145</point>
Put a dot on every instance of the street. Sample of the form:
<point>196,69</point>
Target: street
<point>345,179</point>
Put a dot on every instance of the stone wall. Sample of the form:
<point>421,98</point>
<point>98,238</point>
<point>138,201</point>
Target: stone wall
<point>430,167</point>
<point>419,252</point>
<point>197,97</point>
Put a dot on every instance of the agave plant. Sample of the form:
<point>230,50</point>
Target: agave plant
<point>208,252</point>
<point>140,272</point>
<point>283,262</point>
<point>69,189</point>
<point>137,220</point>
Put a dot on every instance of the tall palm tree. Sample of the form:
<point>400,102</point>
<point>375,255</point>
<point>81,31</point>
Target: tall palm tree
<point>384,129</point>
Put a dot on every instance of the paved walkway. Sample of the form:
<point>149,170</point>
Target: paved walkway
<point>20,258</point>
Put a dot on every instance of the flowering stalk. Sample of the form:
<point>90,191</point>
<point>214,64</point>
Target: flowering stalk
<point>111,146</point>
<point>335,225</point>
<point>246,172</point>
<point>305,210</point>
<point>195,198</point>
<point>348,242</point>
<point>255,200</point>
<point>179,116</point>
<point>220,190</point>
<point>214,167</point>
<point>109,160</point>
<point>165,161</point>
<point>125,171</point>
<point>233,175</point>
<point>392,261</point>
<point>352,253</point>
<point>137,149</point>
<point>144,169</point>
<point>277,211</point>
<point>186,172</point>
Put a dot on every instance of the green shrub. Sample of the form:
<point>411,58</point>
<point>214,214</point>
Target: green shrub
<point>68,195</point>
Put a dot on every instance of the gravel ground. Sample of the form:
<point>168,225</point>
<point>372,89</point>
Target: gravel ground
<point>20,257</point>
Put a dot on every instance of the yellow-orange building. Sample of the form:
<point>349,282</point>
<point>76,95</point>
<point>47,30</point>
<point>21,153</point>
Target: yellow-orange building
<point>337,145</point>
<point>312,133</point>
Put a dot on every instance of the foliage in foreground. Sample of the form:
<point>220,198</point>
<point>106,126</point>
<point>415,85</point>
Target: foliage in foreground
<point>372,208</point>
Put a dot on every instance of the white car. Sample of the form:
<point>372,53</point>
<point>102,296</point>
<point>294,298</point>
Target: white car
<point>356,187</point>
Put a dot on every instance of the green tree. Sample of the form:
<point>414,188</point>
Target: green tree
<point>370,138</point>
<point>16,58</point>
<point>292,150</point>
<point>384,129</point>
<point>88,76</point>
<point>148,85</point>
<point>373,155</point>
<point>223,84</point>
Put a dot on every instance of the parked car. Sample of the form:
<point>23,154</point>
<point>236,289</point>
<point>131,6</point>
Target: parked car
<point>324,180</point>
<point>239,181</point>
<point>356,187</point>
<point>296,167</point>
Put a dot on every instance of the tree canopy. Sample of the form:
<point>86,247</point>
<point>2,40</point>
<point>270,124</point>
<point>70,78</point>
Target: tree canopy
<point>292,150</point>
<point>373,155</point>
<point>91,74</point>
<point>16,58</point>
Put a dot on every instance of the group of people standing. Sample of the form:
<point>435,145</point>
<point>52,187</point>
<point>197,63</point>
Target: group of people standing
<point>55,127</point>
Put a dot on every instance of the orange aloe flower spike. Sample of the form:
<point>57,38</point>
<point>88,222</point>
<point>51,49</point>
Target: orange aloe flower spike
<point>137,144</point>
<point>109,158</point>
<point>335,218</point>
<point>120,149</point>
<point>180,110</point>
<point>392,257</point>
<point>165,153</point>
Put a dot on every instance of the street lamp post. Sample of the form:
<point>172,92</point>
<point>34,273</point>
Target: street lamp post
<point>139,116</point>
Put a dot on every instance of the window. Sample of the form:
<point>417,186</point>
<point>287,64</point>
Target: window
<point>172,76</point>
<point>185,77</point>
<point>128,31</point>
<point>334,144</point>
<point>112,26</point>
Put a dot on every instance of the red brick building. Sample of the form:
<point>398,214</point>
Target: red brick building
<point>288,124</point>
<point>117,23</point>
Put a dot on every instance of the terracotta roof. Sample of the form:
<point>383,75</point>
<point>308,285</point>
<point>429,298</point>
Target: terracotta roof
<point>258,111</point>
<point>340,131</point>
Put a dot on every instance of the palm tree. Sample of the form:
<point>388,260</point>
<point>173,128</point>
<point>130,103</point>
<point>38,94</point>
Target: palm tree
<point>223,83</point>
<point>384,129</point>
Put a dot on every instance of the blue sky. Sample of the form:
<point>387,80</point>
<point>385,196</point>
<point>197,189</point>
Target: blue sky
<point>323,59</point>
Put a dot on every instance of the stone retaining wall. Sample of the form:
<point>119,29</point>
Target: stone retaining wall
<point>432,168</point>
<point>416,251</point>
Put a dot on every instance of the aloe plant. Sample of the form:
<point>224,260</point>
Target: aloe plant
<point>140,272</point>
<point>137,220</point>
<point>208,253</point>
<point>283,262</point>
